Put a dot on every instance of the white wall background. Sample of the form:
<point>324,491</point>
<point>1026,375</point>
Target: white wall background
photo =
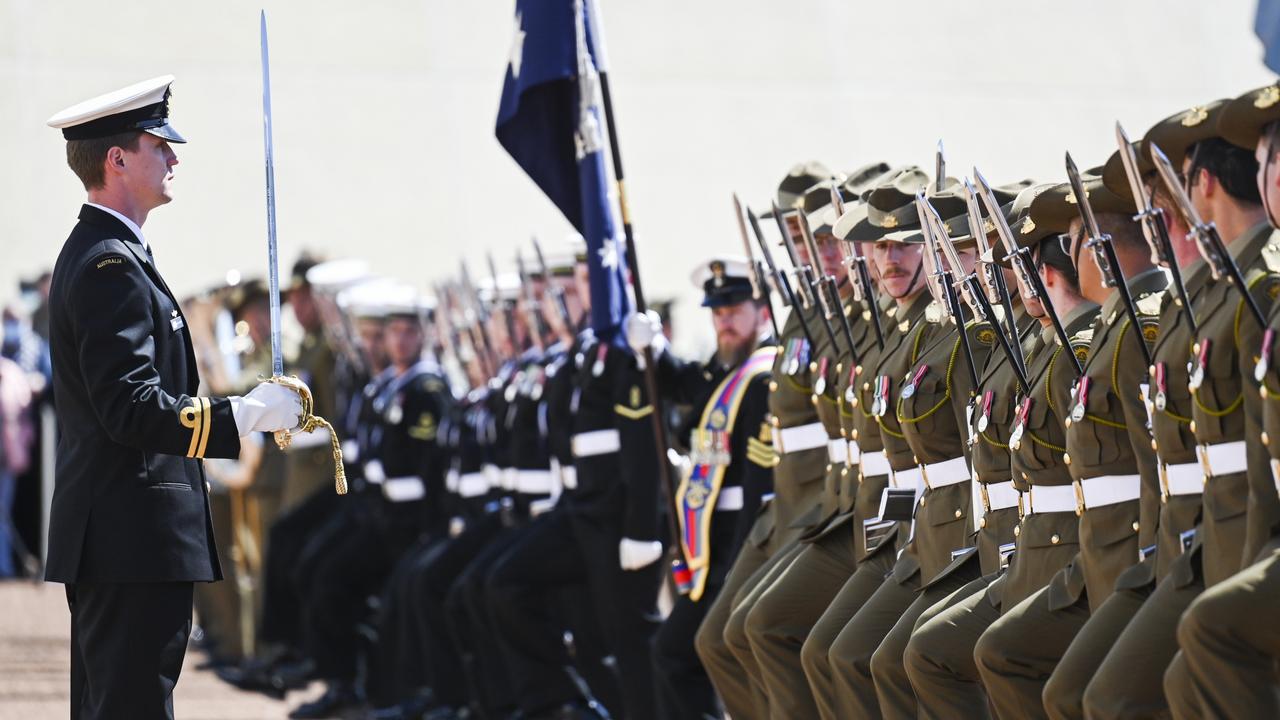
<point>384,113</point>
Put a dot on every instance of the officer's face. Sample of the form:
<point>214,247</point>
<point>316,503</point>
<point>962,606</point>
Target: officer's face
<point>899,265</point>
<point>737,328</point>
<point>304,308</point>
<point>372,341</point>
<point>147,171</point>
<point>404,341</point>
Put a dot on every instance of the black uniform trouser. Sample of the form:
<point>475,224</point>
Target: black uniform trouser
<point>416,645</point>
<point>625,603</point>
<point>397,666</point>
<point>338,591</point>
<point>473,631</point>
<point>127,645</point>
<point>537,590</point>
<point>286,542</point>
<point>684,688</point>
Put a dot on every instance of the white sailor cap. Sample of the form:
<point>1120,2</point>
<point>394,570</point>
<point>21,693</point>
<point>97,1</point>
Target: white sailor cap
<point>508,288</point>
<point>723,280</point>
<point>335,275</point>
<point>142,106</point>
<point>372,298</point>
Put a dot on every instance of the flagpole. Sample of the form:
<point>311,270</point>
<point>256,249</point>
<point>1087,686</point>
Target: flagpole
<point>650,373</point>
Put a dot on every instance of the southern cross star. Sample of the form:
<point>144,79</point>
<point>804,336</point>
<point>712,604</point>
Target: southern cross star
<point>517,48</point>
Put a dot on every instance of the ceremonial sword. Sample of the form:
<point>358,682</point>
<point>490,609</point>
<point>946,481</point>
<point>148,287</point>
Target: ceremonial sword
<point>308,421</point>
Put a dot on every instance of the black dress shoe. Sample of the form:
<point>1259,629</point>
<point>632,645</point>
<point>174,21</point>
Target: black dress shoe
<point>336,699</point>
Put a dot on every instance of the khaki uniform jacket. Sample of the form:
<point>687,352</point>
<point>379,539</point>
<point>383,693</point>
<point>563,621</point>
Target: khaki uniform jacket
<point>933,419</point>
<point>1046,542</point>
<point>1112,440</point>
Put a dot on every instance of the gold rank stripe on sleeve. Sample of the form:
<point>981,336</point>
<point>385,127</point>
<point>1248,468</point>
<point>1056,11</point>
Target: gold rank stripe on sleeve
<point>195,417</point>
<point>633,413</point>
<point>761,453</point>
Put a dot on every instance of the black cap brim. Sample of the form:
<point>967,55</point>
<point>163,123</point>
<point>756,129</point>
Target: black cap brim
<point>165,132</point>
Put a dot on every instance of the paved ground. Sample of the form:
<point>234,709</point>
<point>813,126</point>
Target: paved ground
<point>34,666</point>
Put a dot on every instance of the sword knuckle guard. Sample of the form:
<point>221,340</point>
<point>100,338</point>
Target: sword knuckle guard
<point>309,422</point>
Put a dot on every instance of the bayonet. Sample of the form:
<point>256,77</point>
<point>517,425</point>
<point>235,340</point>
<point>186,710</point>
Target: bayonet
<point>1153,226</point>
<point>784,285</point>
<point>557,292</point>
<point>946,287</point>
<point>991,277</point>
<point>859,275</point>
<point>508,314</point>
<point>1024,267</point>
<point>537,328</point>
<point>806,298</point>
<point>1104,254</point>
<point>939,168</point>
<point>759,285</point>
<point>1208,240</point>
<point>809,277</point>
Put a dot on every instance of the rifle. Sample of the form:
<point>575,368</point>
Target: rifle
<point>779,278</point>
<point>804,273</point>
<point>478,319</point>
<point>508,313</point>
<point>1221,264</point>
<point>1024,267</point>
<point>991,277</point>
<point>859,276</point>
<point>759,286</point>
<point>538,330</point>
<point>1104,254</point>
<point>828,291</point>
<point>945,286</point>
<point>1153,227</point>
<point>557,292</point>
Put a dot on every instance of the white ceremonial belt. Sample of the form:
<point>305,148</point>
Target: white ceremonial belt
<point>569,477</point>
<point>404,489</point>
<point>596,442</point>
<point>1182,479</point>
<point>799,438</point>
<point>534,482</point>
<point>1223,458</point>
<point>1051,499</point>
<point>731,498</point>
<point>492,475</point>
<point>854,453</point>
<point>1096,492</point>
<point>875,463</point>
<point>315,438</point>
<point>507,479</point>
<point>942,474</point>
<point>767,497</point>
<point>472,485</point>
<point>451,479</point>
<point>837,451</point>
<point>909,478</point>
<point>1000,496</point>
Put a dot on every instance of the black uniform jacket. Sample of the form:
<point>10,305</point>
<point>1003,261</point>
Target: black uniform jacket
<point>129,499</point>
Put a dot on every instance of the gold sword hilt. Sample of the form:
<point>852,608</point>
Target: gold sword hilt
<point>309,422</point>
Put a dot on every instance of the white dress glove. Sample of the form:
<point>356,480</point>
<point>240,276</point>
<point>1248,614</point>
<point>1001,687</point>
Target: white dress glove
<point>635,554</point>
<point>267,408</point>
<point>644,331</point>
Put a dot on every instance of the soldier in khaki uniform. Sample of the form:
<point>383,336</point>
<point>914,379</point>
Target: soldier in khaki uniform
<point>780,618</point>
<point>1204,483</point>
<point>939,656</point>
<point>1108,452</point>
<point>1228,636</point>
<point>801,442</point>
<point>921,399</point>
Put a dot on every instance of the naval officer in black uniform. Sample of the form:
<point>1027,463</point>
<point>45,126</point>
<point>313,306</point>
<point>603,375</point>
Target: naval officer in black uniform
<point>130,529</point>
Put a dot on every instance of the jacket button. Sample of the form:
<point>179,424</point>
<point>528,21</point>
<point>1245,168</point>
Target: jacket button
<point>1017,530</point>
<point>1055,539</point>
<point>960,513</point>
<point>1066,458</point>
<point>1193,427</point>
<point>1135,526</point>
<point>1266,439</point>
<point>981,523</point>
<point>773,386</point>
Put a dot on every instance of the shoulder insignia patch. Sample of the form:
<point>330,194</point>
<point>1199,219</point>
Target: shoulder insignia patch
<point>1150,329</point>
<point>634,397</point>
<point>109,261</point>
<point>986,335</point>
<point>425,428</point>
<point>1081,351</point>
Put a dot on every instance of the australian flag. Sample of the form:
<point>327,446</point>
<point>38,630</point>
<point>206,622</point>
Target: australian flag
<point>550,120</point>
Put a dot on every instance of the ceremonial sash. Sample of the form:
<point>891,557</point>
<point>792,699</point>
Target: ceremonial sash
<point>710,456</point>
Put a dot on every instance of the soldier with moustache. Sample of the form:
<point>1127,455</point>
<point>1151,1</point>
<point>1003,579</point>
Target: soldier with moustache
<point>929,410</point>
<point>721,640</point>
<point>1227,640</point>
<point>1020,546</point>
<point>404,469</point>
<point>130,530</point>
<point>1115,489</point>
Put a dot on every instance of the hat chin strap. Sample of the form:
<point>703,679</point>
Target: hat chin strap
<point>915,279</point>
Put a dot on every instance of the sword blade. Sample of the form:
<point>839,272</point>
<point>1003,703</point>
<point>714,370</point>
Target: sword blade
<point>273,259</point>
